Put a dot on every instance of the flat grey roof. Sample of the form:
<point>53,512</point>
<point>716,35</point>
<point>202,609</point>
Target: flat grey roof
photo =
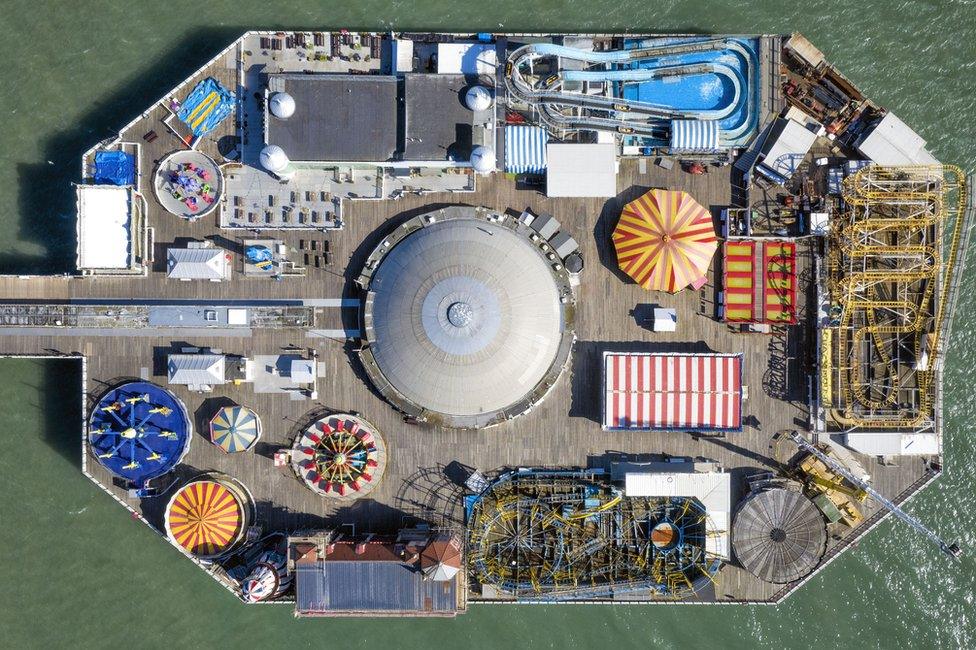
<point>438,124</point>
<point>337,117</point>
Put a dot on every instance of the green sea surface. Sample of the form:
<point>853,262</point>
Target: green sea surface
<point>77,571</point>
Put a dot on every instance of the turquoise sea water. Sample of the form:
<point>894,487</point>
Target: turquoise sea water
<point>78,572</point>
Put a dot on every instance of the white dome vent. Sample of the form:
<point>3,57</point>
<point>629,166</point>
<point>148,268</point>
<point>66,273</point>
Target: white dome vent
<point>478,98</point>
<point>282,105</point>
<point>274,159</point>
<point>483,159</point>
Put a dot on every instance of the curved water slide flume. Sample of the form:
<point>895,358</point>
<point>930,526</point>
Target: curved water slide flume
<point>550,100</point>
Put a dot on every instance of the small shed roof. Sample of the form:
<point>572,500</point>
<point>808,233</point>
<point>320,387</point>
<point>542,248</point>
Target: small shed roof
<point>196,264</point>
<point>196,369</point>
<point>892,142</point>
<point>581,169</point>
<point>787,146</point>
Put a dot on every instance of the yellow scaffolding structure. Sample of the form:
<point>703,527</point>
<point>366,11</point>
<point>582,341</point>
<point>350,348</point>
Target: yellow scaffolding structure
<point>887,263</point>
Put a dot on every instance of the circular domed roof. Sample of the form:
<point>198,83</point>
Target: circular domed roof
<point>282,105</point>
<point>274,158</point>
<point>478,98</point>
<point>465,320</point>
<point>483,159</point>
<point>779,535</point>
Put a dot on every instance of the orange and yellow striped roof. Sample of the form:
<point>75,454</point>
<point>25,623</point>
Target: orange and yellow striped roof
<point>665,240</point>
<point>204,517</point>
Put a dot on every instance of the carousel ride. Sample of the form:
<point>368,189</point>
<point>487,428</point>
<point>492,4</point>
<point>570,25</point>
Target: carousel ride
<point>209,517</point>
<point>340,456</point>
<point>188,184</point>
<point>235,429</point>
<point>268,577</point>
<point>139,431</point>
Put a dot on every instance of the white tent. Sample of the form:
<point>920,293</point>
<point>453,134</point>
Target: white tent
<point>581,169</point>
<point>104,227</point>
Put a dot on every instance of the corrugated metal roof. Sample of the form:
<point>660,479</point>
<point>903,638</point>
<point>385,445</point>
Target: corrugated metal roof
<point>336,587</point>
<point>196,369</point>
<point>196,264</point>
<point>525,149</point>
<point>892,142</point>
<point>694,136</point>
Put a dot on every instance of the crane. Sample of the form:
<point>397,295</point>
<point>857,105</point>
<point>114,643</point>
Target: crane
<point>952,550</point>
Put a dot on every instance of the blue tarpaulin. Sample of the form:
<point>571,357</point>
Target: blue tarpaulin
<point>206,106</point>
<point>115,168</point>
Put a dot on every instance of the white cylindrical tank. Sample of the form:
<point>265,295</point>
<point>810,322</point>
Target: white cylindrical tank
<point>478,98</point>
<point>483,159</point>
<point>274,159</point>
<point>282,105</point>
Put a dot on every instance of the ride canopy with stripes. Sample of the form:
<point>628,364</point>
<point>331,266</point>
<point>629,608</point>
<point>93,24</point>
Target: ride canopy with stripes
<point>676,392</point>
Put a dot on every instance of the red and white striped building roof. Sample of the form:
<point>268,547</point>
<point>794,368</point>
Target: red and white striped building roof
<point>681,392</point>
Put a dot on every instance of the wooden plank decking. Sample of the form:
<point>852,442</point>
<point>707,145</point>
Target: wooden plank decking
<point>563,431</point>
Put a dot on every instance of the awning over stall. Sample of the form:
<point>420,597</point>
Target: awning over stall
<point>525,149</point>
<point>694,136</point>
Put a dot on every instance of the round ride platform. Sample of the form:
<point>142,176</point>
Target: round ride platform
<point>340,456</point>
<point>139,431</point>
<point>188,184</point>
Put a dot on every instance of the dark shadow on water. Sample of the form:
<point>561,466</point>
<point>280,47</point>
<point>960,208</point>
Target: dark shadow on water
<point>46,198</point>
<point>60,408</point>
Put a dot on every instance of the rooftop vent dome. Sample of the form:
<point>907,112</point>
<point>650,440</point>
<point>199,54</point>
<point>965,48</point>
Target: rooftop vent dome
<point>478,98</point>
<point>282,105</point>
<point>274,159</point>
<point>483,159</point>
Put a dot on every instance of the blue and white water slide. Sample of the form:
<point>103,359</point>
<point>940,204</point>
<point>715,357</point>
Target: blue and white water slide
<point>636,117</point>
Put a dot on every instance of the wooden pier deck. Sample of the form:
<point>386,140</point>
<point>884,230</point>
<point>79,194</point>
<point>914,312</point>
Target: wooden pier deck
<point>564,431</point>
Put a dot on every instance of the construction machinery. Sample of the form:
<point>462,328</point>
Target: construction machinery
<point>952,550</point>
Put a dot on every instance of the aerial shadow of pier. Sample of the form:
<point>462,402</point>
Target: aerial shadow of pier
<point>45,202</point>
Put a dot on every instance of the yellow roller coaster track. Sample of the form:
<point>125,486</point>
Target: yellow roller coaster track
<point>870,194</point>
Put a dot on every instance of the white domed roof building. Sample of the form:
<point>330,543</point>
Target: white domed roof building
<point>274,159</point>
<point>468,323</point>
<point>282,105</point>
<point>483,159</point>
<point>478,98</point>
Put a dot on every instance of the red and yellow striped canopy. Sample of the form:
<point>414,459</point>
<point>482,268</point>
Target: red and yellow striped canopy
<point>204,517</point>
<point>665,240</point>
